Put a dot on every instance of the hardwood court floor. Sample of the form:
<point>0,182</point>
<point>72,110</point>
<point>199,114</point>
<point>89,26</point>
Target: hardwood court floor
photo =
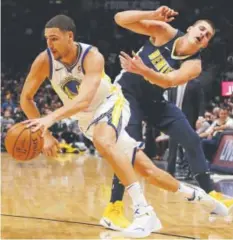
<point>64,199</point>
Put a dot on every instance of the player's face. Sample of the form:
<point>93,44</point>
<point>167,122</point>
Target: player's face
<point>58,41</point>
<point>200,34</point>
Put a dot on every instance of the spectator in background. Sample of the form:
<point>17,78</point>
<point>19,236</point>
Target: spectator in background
<point>216,112</point>
<point>213,133</point>
<point>7,119</point>
<point>8,102</point>
<point>229,102</point>
<point>18,115</point>
<point>6,123</point>
<point>203,124</point>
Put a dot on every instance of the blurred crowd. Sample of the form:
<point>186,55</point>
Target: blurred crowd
<point>22,40</point>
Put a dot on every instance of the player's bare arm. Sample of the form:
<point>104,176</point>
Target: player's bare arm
<point>150,23</point>
<point>38,73</point>
<point>93,66</point>
<point>189,70</point>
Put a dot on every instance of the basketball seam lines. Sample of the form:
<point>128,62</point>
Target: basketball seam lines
<point>16,141</point>
<point>7,136</point>
<point>29,144</point>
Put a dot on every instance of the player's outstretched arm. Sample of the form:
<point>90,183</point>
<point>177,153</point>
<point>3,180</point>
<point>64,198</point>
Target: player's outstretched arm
<point>189,70</point>
<point>149,23</point>
<point>93,66</point>
<point>38,73</point>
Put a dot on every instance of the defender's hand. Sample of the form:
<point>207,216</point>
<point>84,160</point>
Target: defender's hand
<point>133,65</point>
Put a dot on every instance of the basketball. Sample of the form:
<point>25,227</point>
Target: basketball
<point>23,144</point>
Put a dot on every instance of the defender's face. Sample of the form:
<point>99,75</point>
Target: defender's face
<point>58,41</point>
<point>200,34</point>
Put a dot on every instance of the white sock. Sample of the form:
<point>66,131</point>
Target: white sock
<point>186,190</point>
<point>136,194</point>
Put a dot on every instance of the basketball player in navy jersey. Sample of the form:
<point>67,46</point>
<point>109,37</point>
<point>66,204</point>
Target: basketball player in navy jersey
<point>168,58</point>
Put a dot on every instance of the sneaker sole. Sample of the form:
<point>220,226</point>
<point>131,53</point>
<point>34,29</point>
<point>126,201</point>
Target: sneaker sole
<point>158,226</point>
<point>220,209</point>
<point>105,222</point>
<point>141,234</point>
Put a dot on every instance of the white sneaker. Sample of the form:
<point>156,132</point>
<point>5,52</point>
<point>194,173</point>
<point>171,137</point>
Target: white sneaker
<point>218,207</point>
<point>145,222</point>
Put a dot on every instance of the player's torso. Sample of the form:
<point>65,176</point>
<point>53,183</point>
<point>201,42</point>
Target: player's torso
<point>160,59</point>
<point>66,81</point>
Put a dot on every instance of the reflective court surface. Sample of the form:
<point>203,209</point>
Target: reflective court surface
<point>65,198</point>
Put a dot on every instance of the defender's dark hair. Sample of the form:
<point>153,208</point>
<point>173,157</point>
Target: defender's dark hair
<point>63,22</point>
<point>208,21</point>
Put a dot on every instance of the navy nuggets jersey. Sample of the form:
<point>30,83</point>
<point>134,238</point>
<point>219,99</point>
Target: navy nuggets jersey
<point>161,59</point>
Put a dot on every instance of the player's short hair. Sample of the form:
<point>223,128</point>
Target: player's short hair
<point>63,22</point>
<point>208,21</point>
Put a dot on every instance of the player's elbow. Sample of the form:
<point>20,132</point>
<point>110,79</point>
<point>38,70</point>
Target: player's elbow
<point>118,19</point>
<point>24,98</point>
<point>168,83</point>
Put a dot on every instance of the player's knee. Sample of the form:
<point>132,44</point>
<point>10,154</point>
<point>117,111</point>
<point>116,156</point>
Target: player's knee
<point>152,174</point>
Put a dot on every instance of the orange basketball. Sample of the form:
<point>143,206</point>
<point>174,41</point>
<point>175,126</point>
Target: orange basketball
<point>23,144</point>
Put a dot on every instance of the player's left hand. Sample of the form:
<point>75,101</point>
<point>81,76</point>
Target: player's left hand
<point>40,123</point>
<point>132,64</point>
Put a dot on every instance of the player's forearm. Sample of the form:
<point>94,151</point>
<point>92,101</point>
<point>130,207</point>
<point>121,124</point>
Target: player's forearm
<point>160,79</point>
<point>69,110</point>
<point>81,102</point>
<point>29,108</point>
<point>78,104</point>
<point>133,16</point>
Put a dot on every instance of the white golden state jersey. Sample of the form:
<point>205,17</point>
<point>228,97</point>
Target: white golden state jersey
<point>66,81</point>
<point>108,104</point>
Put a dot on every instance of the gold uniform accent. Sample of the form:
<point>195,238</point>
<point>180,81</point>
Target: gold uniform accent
<point>160,62</point>
<point>117,110</point>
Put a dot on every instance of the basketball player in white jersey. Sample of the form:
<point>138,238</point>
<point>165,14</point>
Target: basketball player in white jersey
<point>76,72</point>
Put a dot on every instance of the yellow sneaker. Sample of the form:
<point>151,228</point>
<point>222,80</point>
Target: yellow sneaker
<point>226,200</point>
<point>113,217</point>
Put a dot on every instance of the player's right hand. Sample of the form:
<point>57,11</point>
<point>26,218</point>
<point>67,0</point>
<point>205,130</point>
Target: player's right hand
<point>164,14</point>
<point>51,145</point>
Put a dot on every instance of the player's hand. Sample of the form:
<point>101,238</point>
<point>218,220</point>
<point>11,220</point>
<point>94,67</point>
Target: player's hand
<point>51,145</point>
<point>133,65</point>
<point>164,14</point>
<point>40,123</point>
